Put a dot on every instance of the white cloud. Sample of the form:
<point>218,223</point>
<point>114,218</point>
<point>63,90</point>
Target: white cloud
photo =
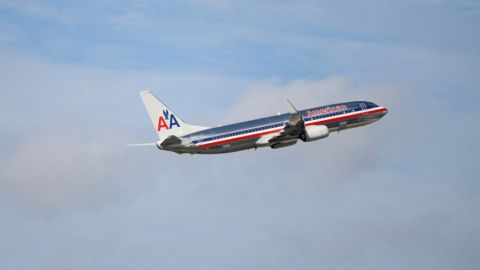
<point>322,203</point>
<point>67,127</point>
<point>337,158</point>
<point>268,96</point>
<point>399,191</point>
<point>58,169</point>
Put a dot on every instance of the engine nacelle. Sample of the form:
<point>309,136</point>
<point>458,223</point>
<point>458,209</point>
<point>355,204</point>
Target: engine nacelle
<point>313,133</point>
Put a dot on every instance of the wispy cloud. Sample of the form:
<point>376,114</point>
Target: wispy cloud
<point>34,8</point>
<point>268,97</point>
<point>62,169</point>
<point>401,193</point>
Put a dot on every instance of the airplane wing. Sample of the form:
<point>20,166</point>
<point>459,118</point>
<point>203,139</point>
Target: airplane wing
<point>294,127</point>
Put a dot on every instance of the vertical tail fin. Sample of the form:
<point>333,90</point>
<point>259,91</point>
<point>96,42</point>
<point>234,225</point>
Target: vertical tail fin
<point>164,120</point>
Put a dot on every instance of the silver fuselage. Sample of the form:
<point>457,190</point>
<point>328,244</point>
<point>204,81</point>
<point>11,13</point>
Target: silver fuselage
<point>245,135</point>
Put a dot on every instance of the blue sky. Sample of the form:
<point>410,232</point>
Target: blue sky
<point>402,193</point>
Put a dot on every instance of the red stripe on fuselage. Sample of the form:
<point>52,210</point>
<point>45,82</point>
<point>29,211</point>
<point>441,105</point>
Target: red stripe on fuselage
<point>250,136</point>
<point>345,117</point>
<point>319,122</point>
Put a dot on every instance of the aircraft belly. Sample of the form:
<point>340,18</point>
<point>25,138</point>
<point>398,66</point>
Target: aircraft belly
<point>221,148</point>
<point>233,146</point>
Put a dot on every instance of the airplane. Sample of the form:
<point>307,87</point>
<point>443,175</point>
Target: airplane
<point>277,131</point>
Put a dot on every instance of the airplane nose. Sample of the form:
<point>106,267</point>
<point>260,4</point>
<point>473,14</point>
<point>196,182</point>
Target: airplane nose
<point>382,112</point>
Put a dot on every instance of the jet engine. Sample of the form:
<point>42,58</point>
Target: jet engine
<point>313,133</point>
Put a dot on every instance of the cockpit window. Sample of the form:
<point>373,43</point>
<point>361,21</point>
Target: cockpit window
<point>371,105</point>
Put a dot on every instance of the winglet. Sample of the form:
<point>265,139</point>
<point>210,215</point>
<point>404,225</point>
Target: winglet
<point>291,108</point>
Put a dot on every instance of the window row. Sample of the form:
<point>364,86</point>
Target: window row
<point>237,133</point>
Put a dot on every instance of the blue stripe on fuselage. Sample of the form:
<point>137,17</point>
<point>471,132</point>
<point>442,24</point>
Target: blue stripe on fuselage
<point>244,128</point>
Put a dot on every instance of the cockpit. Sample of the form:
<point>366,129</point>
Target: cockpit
<point>367,105</point>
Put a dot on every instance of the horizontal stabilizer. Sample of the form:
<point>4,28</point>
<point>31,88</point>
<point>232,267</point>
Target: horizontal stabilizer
<point>171,140</point>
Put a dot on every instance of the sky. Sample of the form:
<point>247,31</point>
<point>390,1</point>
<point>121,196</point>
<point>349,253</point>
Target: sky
<point>402,193</point>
